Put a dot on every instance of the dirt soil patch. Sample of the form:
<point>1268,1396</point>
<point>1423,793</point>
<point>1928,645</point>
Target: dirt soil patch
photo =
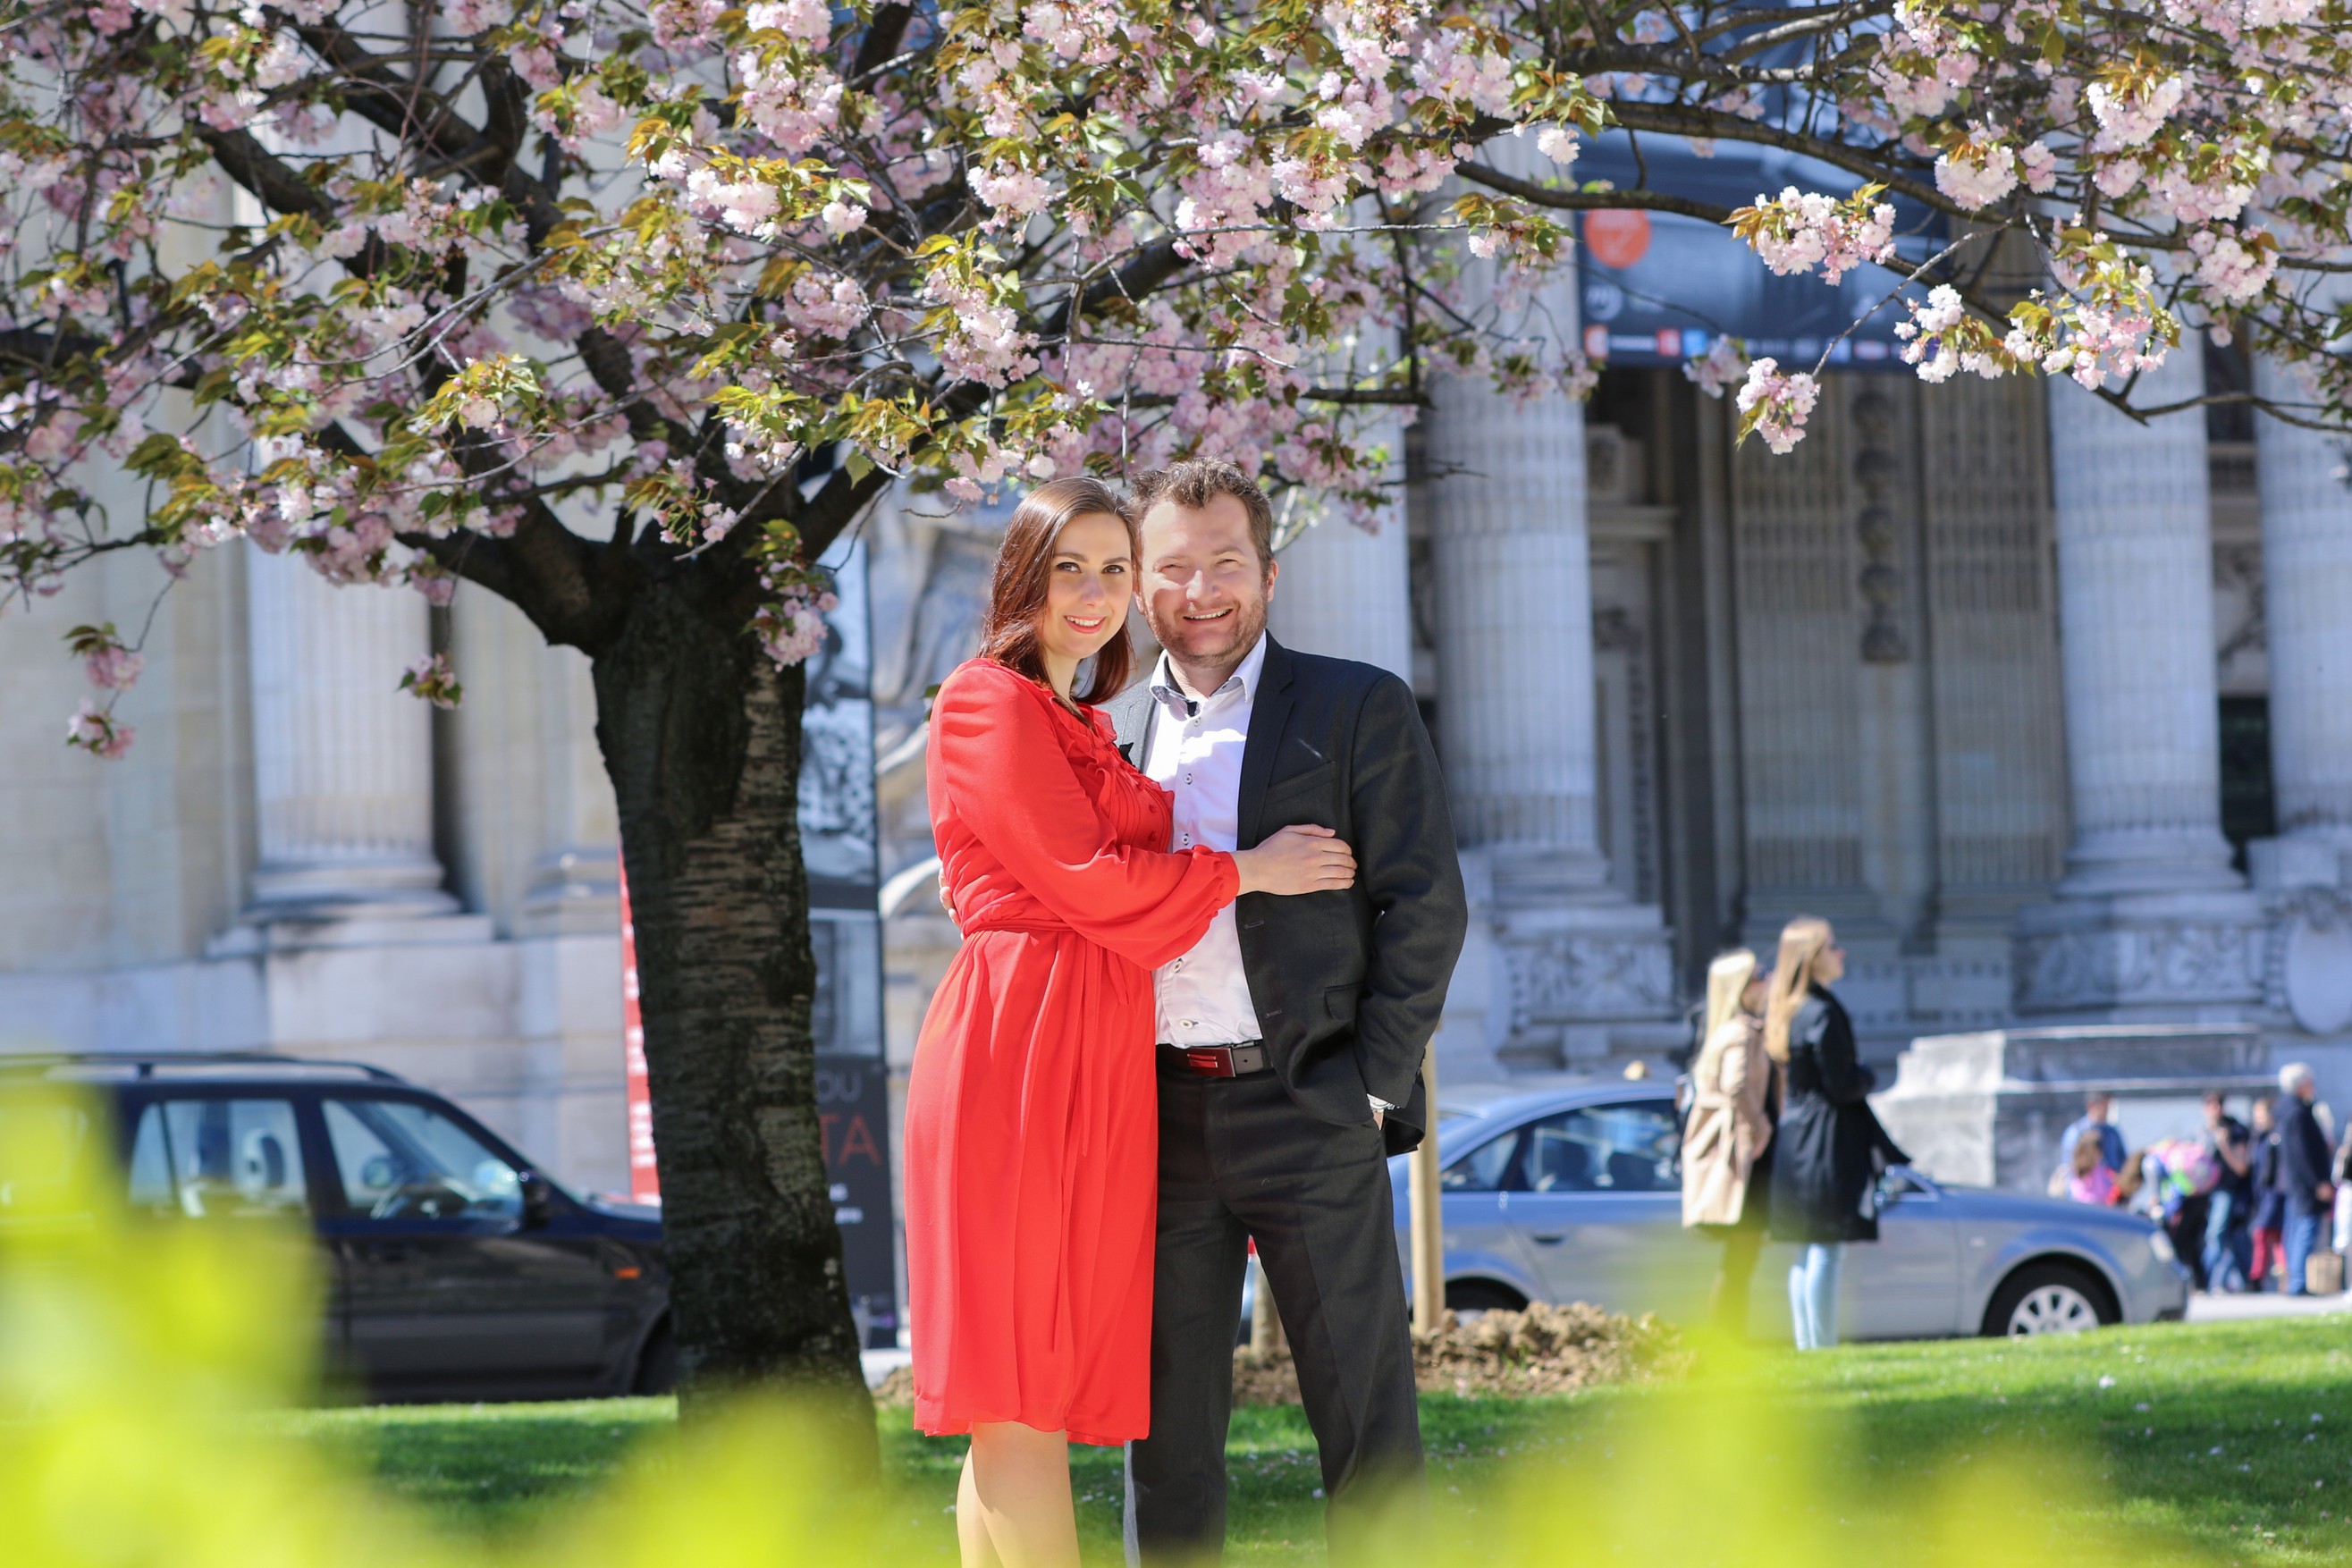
<point>1544,1350</point>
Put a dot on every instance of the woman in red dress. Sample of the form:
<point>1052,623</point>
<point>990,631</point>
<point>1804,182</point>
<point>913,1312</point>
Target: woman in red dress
<point>1031,1132</point>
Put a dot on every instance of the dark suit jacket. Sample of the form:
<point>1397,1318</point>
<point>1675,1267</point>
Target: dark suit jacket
<point>1348,986</point>
<point>2303,1155</point>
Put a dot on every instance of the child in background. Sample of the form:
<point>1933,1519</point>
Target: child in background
<point>2270,1203</point>
<point>2092,1181</point>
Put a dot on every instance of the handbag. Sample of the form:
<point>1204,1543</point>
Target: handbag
<point>2323,1273</point>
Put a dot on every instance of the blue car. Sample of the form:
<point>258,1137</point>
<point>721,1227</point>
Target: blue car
<point>1574,1193</point>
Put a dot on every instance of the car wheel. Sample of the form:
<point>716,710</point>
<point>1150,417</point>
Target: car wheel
<point>2049,1298</point>
<point>657,1362</point>
<point>1470,1299</point>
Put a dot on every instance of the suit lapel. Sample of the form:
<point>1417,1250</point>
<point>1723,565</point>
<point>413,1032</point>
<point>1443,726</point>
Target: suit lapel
<point>1269,716</point>
<point>1130,715</point>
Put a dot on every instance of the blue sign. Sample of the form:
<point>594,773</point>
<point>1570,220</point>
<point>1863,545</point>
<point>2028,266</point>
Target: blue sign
<point>1658,289</point>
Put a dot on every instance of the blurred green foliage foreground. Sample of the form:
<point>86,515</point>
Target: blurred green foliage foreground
<point>151,1412</point>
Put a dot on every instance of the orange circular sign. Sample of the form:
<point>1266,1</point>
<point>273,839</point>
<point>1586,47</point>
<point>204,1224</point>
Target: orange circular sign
<point>1617,236</point>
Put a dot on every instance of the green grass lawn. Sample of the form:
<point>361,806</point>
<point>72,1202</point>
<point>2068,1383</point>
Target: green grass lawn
<point>2205,1438</point>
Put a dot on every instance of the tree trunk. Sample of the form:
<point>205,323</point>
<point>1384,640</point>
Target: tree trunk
<point>701,736</point>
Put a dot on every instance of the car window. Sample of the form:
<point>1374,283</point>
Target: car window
<point>1630,1148</point>
<point>400,1160</point>
<point>1485,1169</point>
<point>219,1159</point>
<point>46,1141</point>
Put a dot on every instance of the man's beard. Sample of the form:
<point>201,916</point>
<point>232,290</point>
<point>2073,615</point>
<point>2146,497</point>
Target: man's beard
<point>1245,625</point>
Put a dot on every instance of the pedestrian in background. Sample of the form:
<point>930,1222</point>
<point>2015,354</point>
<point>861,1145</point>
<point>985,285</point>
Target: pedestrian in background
<point>1828,1147</point>
<point>2098,1120</point>
<point>2228,1245</point>
<point>2342,1174</point>
<point>2169,1181</point>
<point>1727,1143</point>
<point>2269,1226</point>
<point>2304,1165</point>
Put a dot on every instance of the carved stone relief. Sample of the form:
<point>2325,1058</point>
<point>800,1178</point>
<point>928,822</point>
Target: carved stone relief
<point>2159,962</point>
<point>1565,977</point>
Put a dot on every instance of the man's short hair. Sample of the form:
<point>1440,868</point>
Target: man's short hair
<point>2293,1076</point>
<point>1194,483</point>
<point>2097,1098</point>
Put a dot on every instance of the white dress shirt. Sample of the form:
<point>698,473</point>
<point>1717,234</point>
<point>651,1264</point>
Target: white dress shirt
<point>1194,750</point>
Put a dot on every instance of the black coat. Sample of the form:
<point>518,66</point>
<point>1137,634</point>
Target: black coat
<point>1348,986</point>
<point>2303,1155</point>
<point>1828,1147</point>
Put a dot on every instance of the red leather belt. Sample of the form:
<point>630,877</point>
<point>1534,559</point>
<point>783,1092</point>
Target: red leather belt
<point>1216,1061</point>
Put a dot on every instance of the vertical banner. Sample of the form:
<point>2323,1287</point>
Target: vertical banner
<point>853,1112</point>
<point>840,843</point>
<point>644,1176</point>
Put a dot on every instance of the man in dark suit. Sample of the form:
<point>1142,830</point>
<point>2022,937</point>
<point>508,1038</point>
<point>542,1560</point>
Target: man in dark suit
<point>1291,1038</point>
<point>2303,1171</point>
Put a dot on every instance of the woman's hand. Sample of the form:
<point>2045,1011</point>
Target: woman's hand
<point>1299,859</point>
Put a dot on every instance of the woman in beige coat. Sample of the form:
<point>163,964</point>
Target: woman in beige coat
<point>1725,1141</point>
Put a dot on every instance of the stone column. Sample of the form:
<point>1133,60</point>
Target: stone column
<point>2306,874</point>
<point>2150,921</point>
<point>1346,593</point>
<point>1515,633</point>
<point>575,883</point>
<point>1505,486</point>
<point>2306,500</point>
<point>343,758</point>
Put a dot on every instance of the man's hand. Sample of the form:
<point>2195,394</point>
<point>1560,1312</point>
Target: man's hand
<point>946,899</point>
<point>1380,1117</point>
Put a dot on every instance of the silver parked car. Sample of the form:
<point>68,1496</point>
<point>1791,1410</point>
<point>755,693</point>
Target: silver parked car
<point>1575,1194</point>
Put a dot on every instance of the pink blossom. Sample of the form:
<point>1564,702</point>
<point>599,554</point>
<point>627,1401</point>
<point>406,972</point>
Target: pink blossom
<point>1723,364</point>
<point>2231,268</point>
<point>94,732</point>
<point>1776,407</point>
<point>113,667</point>
<point>1978,173</point>
<point>810,21</point>
<point>2131,117</point>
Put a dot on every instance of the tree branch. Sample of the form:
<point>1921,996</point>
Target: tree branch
<point>1590,201</point>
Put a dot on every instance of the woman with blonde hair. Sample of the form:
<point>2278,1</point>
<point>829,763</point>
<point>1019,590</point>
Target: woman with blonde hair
<point>1828,1147</point>
<point>1727,1143</point>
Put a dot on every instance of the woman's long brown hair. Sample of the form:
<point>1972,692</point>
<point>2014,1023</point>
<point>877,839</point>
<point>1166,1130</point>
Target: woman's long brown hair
<point>1802,940</point>
<point>1024,563</point>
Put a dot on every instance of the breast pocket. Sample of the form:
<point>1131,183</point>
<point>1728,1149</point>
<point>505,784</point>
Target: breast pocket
<point>1300,793</point>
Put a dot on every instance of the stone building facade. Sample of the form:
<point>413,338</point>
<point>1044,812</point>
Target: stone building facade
<point>2050,711</point>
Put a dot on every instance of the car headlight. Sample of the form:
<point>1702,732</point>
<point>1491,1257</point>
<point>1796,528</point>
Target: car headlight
<point>2161,1245</point>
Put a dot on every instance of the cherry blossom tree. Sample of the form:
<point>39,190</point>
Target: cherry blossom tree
<point>625,310</point>
<point>2156,167</point>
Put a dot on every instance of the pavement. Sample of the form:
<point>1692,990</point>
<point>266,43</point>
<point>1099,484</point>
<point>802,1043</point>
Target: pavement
<point>2204,1309</point>
<point>881,1365</point>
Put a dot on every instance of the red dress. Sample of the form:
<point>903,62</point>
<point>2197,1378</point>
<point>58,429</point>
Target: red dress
<point>1032,1129</point>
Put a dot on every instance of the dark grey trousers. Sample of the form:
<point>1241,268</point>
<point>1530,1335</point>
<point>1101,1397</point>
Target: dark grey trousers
<point>1238,1160</point>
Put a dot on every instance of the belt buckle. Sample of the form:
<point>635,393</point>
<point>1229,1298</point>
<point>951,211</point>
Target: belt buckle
<point>1207,1061</point>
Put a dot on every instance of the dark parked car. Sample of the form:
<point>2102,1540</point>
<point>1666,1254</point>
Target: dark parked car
<point>454,1269</point>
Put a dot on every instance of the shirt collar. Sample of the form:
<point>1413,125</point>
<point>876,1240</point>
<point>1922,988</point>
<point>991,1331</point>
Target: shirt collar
<point>1170,689</point>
